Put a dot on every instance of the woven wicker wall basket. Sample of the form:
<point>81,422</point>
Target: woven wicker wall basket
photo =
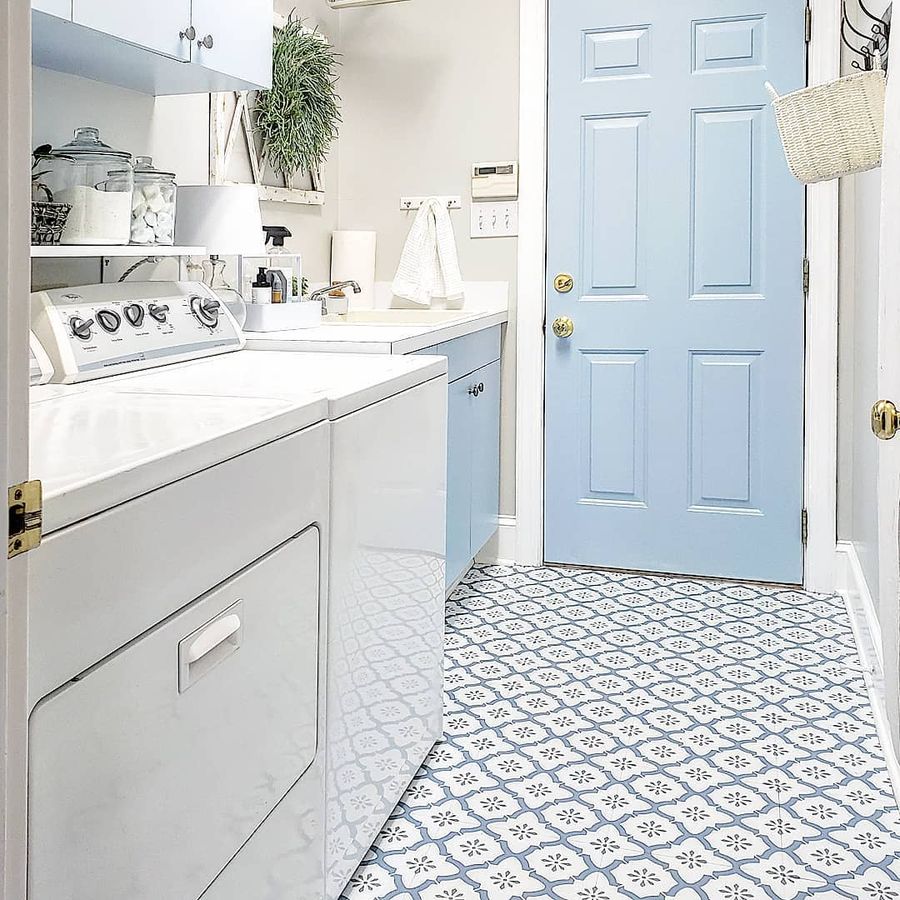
<point>833,129</point>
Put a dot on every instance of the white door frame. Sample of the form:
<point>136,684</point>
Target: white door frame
<point>15,275</point>
<point>820,446</point>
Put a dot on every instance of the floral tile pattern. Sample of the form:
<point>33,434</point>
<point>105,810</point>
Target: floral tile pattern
<point>612,736</point>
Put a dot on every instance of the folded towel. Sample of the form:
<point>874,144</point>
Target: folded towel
<point>429,266</point>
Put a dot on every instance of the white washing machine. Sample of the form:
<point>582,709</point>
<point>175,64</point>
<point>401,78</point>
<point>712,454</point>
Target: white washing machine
<point>381,710</point>
<point>384,701</point>
<point>176,613</point>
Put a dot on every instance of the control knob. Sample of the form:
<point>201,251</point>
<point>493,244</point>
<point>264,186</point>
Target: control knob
<point>108,320</point>
<point>205,310</point>
<point>158,311</point>
<point>134,312</point>
<point>81,328</point>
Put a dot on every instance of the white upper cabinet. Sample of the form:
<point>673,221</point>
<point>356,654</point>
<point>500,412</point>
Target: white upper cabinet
<point>60,8</point>
<point>162,26</point>
<point>162,47</point>
<point>239,43</point>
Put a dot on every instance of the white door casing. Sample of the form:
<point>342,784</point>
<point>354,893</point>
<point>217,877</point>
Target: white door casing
<point>821,324</point>
<point>15,271</point>
<point>888,381</point>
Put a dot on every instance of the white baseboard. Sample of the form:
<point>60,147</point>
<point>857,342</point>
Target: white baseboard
<point>852,586</point>
<point>501,548</point>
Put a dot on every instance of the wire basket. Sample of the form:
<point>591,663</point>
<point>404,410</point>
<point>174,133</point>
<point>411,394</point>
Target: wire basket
<point>833,129</point>
<point>47,221</point>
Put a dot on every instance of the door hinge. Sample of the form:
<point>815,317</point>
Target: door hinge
<point>804,527</point>
<point>806,277</point>
<point>26,517</point>
<point>808,23</point>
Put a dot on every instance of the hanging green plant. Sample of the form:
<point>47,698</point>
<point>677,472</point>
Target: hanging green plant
<point>298,118</point>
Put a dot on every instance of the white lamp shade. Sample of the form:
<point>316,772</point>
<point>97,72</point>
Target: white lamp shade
<point>224,218</point>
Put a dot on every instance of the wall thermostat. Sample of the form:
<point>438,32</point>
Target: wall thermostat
<point>495,181</point>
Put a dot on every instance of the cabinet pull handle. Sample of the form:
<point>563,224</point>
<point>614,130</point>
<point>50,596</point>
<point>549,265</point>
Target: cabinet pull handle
<point>206,42</point>
<point>189,33</point>
<point>477,389</point>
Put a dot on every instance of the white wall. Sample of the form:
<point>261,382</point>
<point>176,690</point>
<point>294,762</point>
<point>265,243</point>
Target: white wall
<point>857,365</point>
<point>426,94</point>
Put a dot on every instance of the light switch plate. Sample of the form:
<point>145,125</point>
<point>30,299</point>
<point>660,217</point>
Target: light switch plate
<point>494,220</point>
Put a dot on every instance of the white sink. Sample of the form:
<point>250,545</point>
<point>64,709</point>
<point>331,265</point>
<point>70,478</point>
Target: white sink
<point>397,317</point>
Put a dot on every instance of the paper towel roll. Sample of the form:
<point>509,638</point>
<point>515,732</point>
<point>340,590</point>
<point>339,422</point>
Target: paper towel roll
<point>353,258</point>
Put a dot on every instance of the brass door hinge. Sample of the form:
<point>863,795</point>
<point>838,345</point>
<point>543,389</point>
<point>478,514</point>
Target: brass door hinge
<point>808,23</point>
<point>804,527</point>
<point>806,277</point>
<point>26,517</point>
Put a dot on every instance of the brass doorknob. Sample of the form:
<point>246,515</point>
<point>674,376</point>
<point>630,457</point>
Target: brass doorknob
<point>885,420</point>
<point>563,327</point>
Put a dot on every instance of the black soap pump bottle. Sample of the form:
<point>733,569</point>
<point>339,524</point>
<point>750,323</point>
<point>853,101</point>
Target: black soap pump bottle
<point>262,288</point>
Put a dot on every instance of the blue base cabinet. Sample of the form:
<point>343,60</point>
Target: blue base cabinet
<point>473,445</point>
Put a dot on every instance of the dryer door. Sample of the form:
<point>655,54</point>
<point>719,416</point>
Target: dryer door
<point>151,771</point>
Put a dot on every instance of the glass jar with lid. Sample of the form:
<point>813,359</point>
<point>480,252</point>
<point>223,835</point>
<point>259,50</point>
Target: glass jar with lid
<point>152,204</point>
<point>97,182</point>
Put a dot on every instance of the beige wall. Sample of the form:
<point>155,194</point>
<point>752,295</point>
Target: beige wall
<point>426,94</point>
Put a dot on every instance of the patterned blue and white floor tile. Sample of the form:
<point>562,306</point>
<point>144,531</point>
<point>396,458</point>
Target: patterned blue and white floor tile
<point>612,736</point>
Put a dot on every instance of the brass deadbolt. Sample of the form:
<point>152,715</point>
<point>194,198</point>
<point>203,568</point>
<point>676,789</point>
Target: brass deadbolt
<point>885,420</point>
<point>563,283</point>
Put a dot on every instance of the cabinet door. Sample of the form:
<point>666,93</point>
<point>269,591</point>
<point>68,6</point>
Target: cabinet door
<point>485,415</point>
<point>459,479</point>
<point>241,39</point>
<point>61,8</point>
<point>157,27</point>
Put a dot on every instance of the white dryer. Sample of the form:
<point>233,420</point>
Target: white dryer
<point>384,702</point>
<point>176,611</point>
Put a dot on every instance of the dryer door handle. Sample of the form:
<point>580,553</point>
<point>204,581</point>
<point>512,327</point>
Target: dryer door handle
<point>211,637</point>
<point>202,650</point>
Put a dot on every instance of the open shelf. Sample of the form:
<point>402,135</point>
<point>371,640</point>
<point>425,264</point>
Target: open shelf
<point>72,251</point>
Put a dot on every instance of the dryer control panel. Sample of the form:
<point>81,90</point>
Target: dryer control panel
<point>107,329</point>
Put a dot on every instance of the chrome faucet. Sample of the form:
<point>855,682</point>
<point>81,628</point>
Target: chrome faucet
<point>322,295</point>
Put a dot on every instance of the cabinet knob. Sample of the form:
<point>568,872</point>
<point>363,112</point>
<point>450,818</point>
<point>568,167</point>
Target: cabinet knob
<point>189,33</point>
<point>476,389</point>
<point>207,42</point>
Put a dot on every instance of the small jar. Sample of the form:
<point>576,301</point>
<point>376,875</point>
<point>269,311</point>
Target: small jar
<point>152,204</point>
<point>97,182</point>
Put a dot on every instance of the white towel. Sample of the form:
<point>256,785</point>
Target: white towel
<point>429,266</point>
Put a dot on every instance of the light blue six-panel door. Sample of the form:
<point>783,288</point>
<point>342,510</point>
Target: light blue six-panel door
<point>674,412</point>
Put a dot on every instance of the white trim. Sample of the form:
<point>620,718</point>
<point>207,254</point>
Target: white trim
<point>852,584</point>
<point>531,281</point>
<point>867,633</point>
<point>820,445</point>
<point>501,548</point>
<point>820,451</point>
<point>15,272</point>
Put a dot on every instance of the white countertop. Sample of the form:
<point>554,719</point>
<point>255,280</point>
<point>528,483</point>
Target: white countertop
<point>100,444</point>
<point>489,308</point>
<point>346,383</point>
<point>95,449</point>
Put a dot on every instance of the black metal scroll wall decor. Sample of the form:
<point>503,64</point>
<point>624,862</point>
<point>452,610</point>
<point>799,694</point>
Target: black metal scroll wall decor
<point>867,35</point>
